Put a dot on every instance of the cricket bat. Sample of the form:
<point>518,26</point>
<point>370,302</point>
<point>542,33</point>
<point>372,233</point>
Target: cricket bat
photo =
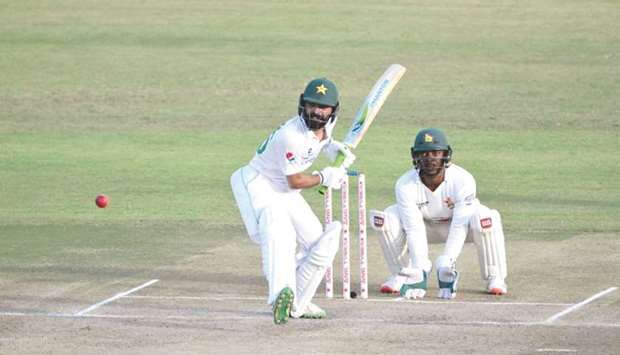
<point>369,109</point>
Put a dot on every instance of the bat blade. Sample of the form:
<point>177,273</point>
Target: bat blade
<point>373,103</point>
<point>369,109</point>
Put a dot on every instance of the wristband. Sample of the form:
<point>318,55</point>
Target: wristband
<point>320,175</point>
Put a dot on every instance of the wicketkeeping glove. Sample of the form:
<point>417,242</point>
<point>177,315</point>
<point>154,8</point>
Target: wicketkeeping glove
<point>334,147</point>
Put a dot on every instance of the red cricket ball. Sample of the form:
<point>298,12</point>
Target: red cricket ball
<point>102,201</point>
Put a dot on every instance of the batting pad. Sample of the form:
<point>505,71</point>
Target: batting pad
<point>489,240</point>
<point>312,269</point>
<point>391,238</point>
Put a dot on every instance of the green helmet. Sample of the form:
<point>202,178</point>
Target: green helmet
<point>431,139</point>
<point>319,91</point>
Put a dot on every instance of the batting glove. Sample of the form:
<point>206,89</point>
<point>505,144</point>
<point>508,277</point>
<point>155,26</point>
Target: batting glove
<point>334,147</point>
<point>332,176</point>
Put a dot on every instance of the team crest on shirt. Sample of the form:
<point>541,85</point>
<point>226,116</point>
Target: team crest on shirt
<point>290,157</point>
<point>449,202</point>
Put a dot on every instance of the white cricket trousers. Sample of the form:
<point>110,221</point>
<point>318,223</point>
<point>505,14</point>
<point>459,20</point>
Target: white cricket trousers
<point>490,245</point>
<point>281,222</point>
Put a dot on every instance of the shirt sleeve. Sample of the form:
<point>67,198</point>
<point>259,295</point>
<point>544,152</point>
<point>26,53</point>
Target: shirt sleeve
<point>464,207</point>
<point>410,215</point>
<point>290,156</point>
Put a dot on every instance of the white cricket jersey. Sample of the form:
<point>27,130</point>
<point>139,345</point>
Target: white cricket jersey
<point>454,201</point>
<point>290,149</point>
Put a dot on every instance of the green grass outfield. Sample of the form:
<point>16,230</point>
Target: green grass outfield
<point>156,103</point>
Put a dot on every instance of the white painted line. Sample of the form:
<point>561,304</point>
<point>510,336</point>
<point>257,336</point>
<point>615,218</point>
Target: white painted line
<point>115,297</point>
<point>227,318</point>
<point>556,350</point>
<point>446,302</point>
<point>202,298</point>
<point>576,306</point>
<point>498,303</point>
<point>35,314</point>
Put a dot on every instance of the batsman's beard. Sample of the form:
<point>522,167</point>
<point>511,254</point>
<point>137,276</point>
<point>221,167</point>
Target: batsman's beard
<point>314,121</point>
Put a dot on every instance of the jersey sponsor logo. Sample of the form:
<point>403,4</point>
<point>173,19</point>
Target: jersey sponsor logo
<point>378,221</point>
<point>290,157</point>
<point>422,204</point>
<point>486,222</point>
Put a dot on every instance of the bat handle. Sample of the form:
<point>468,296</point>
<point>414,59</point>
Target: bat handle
<point>337,162</point>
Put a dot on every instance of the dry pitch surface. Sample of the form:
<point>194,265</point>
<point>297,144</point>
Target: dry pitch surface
<point>560,301</point>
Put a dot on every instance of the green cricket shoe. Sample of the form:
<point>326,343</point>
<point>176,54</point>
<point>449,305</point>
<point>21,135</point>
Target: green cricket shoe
<point>282,306</point>
<point>313,311</point>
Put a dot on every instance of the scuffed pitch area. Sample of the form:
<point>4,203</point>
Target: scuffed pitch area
<point>196,306</point>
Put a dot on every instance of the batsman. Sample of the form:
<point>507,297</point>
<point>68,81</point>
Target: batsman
<point>295,248</point>
<point>436,202</point>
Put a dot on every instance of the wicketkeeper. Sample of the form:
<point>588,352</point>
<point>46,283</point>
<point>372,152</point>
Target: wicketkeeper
<point>436,202</point>
<point>295,248</point>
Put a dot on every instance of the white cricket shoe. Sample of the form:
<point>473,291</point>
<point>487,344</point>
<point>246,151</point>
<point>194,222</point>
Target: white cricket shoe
<point>497,286</point>
<point>312,311</point>
<point>393,284</point>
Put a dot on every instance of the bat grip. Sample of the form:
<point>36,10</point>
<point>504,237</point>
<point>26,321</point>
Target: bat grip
<point>337,162</point>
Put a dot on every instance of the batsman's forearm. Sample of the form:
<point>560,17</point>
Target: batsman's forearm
<point>303,181</point>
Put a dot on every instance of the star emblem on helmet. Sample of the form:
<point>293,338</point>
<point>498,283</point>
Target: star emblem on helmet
<point>321,89</point>
<point>428,138</point>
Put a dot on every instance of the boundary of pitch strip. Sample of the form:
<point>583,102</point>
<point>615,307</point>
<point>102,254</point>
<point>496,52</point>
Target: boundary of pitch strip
<point>114,298</point>
<point>127,294</point>
<point>337,320</point>
<point>386,299</point>
<point>576,306</point>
